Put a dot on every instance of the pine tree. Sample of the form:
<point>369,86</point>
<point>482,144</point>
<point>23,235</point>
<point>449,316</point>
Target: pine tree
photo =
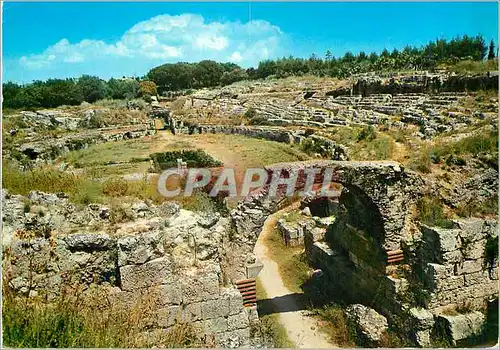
<point>328,55</point>
<point>491,52</point>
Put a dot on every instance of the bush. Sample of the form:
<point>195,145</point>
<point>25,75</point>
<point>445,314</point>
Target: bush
<point>194,159</point>
<point>367,133</point>
<point>430,212</point>
<point>250,113</point>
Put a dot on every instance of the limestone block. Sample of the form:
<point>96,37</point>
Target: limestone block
<point>238,321</point>
<point>192,312</point>
<point>215,308</point>
<point>476,278</point>
<point>471,229</point>
<point>154,272</point>
<point>215,325</point>
<point>199,288</point>
<point>140,248</point>
<point>168,316</point>
<point>460,327</point>
<point>89,241</point>
<point>469,266</point>
<point>369,323</point>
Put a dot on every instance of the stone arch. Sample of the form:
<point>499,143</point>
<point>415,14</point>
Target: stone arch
<point>377,197</point>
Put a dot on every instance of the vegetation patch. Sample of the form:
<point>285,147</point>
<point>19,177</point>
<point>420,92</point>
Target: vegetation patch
<point>194,159</point>
<point>292,262</point>
<point>430,212</point>
<point>72,323</point>
<point>334,322</point>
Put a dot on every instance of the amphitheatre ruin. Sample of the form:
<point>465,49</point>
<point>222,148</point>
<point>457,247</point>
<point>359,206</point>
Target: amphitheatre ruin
<point>406,253</point>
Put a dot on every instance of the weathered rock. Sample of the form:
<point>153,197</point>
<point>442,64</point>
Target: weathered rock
<point>460,327</point>
<point>369,323</point>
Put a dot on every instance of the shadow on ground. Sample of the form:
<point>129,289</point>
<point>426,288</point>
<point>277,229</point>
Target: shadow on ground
<point>285,303</point>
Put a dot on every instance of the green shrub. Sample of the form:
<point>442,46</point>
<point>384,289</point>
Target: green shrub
<point>194,159</point>
<point>479,208</point>
<point>430,212</point>
<point>367,133</point>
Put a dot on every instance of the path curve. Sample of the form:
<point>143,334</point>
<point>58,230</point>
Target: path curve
<point>301,329</point>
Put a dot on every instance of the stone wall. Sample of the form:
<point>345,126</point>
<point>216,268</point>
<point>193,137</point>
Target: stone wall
<point>172,256</point>
<point>328,147</point>
<point>456,267</point>
<point>48,150</point>
<point>385,189</point>
<point>424,83</point>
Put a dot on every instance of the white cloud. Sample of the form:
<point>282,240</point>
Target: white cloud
<point>235,57</point>
<point>165,38</point>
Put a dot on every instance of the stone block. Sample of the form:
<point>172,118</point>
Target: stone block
<point>192,312</point>
<point>469,266</point>
<point>369,323</point>
<point>168,316</point>
<point>421,319</point>
<point>455,256</point>
<point>215,325</point>
<point>215,308</point>
<point>474,250</point>
<point>199,288</point>
<point>476,278</point>
<point>89,241</point>
<point>471,229</point>
<point>461,327</point>
<point>233,339</point>
<point>450,283</point>
<point>140,248</point>
<point>235,300</point>
<point>238,321</point>
<point>154,272</point>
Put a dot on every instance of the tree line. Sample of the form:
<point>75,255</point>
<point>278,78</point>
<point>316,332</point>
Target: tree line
<point>57,92</point>
<point>207,73</point>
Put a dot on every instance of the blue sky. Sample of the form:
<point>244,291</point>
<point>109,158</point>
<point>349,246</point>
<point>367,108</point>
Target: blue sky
<point>44,40</point>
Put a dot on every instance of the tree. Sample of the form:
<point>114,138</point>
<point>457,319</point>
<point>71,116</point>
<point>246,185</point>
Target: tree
<point>328,55</point>
<point>207,73</point>
<point>92,88</point>
<point>491,51</point>
<point>126,88</point>
<point>147,88</point>
<point>233,76</point>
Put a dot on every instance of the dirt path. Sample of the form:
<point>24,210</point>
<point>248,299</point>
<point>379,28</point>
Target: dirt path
<point>302,330</point>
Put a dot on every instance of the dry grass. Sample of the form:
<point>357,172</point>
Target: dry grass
<point>73,321</point>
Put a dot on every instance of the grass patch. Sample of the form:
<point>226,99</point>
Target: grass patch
<point>430,212</point>
<point>292,262</point>
<point>477,208</point>
<point>109,153</point>
<point>270,326</point>
<point>79,188</point>
<point>71,323</point>
<point>482,145</point>
<point>333,322</point>
<point>474,67</point>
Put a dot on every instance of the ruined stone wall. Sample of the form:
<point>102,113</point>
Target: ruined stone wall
<point>458,267</point>
<point>423,83</point>
<point>48,150</point>
<point>169,255</point>
<point>328,147</point>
